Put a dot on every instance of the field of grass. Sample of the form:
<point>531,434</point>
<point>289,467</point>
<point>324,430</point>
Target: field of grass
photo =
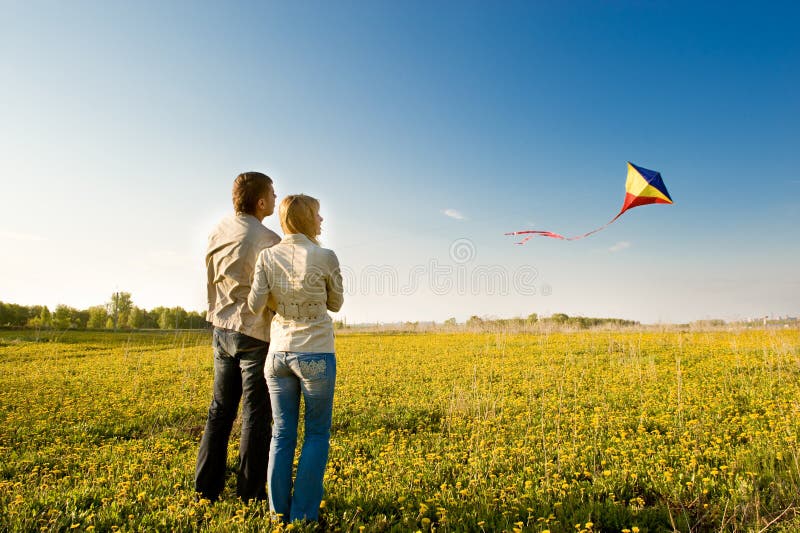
<point>585,431</point>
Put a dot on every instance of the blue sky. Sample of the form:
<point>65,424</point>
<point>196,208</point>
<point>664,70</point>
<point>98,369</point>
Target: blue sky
<point>125,124</point>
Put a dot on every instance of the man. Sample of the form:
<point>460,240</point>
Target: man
<point>241,341</point>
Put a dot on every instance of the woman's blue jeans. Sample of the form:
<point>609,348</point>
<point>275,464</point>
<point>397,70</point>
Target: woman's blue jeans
<point>291,375</point>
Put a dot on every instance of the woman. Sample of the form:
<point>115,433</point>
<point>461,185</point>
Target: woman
<point>300,282</point>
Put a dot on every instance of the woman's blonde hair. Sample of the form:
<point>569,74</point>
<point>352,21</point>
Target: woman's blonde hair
<point>298,214</point>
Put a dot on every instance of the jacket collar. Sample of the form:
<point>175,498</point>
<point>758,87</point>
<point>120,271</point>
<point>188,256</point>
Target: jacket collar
<point>296,238</point>
<point>247,216</point>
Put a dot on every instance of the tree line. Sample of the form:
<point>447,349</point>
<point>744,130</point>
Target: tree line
<point>118,313</point>
<point>557,319</point>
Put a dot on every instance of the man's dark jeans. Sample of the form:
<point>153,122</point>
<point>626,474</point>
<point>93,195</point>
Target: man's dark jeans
<point>238,373</point>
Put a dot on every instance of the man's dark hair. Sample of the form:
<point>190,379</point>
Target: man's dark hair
<point>247,189</point>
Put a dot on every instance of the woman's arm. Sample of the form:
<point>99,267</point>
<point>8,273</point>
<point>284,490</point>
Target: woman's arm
<point>333,283</point>
<point>259,290</point>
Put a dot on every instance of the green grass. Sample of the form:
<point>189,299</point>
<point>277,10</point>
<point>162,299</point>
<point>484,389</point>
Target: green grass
<point>696,431</point>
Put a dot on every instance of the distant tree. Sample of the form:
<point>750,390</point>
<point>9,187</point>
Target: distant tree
<point>153,318</point>
<point>14,314</point>
<point>63,317</point>
<point>43,320</point>
<point>450,321</point>
<point>136,318</point>
<point>177,318</point>
<point>119,307</point>
<point>559,318</point>
<point>150,320</point>
<point>172,317</point>
<point>180,317</point>
<point>474,321</point>
<point>194,320</point>
<point>98,315</point>
<point>101,316</point>
<point>533,318</point>
<point>26,312</point>
<point>80,318</point>
<point>165,318</point>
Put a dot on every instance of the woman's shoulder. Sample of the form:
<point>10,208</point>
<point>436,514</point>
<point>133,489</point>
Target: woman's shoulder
<point>327,252</point>
<point>327,255</point>
<point>266,253</point>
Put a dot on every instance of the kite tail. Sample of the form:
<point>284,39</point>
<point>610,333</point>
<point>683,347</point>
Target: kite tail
<point>533,233</point>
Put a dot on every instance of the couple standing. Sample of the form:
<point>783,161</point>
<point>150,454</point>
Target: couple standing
<point>268,300</point>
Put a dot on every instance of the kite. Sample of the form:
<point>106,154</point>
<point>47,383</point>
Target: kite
<point>642,187</point>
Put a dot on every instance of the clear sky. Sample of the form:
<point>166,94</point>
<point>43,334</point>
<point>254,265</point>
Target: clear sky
<point>427,130</point>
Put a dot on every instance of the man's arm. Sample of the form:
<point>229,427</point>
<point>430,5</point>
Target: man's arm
<point>211,288</point>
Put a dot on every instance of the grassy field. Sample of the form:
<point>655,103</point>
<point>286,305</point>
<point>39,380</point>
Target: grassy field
<point>593,431</point>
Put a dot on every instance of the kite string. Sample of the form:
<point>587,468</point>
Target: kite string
<point>533,233</point>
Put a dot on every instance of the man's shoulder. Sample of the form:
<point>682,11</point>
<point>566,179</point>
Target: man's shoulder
<point>246,231</point>
<point>223,234</point>
<point>225,225</point>
<point>266,237</point>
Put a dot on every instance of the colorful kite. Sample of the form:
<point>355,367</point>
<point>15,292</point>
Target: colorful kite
<point>642,187</point>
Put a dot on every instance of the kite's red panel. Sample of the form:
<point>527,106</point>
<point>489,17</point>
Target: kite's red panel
<point>635,201</point>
